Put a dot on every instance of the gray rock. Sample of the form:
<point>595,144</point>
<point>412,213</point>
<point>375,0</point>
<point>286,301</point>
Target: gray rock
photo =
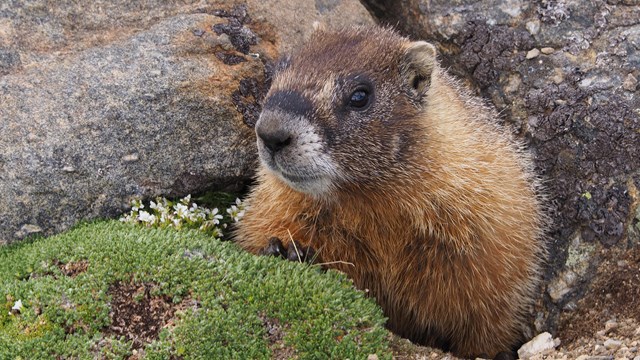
<point>35,31</point>
<point>612,344</point>
<point>547,50</point>
<point>84,135</point>
<point>574,270</point>
<point>94,111</point>
<point>532,54</point>
<point>538,345</point>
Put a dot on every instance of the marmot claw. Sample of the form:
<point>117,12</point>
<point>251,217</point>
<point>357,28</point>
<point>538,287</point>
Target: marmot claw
<point>294,252</point>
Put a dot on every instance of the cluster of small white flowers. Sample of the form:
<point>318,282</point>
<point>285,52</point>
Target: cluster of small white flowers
<point>183,214</point>
<point>236,211</point>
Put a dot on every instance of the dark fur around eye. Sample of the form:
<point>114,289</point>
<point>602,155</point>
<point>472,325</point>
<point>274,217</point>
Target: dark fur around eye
<point>360,98</point>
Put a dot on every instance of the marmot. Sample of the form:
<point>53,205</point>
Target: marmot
<point>375,157</point>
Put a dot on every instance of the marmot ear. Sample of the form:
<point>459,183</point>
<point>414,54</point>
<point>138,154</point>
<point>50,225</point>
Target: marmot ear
<point>419,62</point>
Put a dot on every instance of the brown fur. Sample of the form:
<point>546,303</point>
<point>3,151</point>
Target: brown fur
<point>432,206</point>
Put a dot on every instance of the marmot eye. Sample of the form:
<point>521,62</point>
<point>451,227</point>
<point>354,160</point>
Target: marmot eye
<point>359,98</point>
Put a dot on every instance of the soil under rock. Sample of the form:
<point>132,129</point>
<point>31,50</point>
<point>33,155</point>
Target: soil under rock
<point>606,321</point>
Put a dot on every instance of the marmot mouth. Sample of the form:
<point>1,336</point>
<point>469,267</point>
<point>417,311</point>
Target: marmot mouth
<point>309,184</point>
<point>315,182</point>
<point>292,177</point>
<point>298,178</point>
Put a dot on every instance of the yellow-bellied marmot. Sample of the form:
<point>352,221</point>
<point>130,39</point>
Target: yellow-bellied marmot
<point>376,158</point>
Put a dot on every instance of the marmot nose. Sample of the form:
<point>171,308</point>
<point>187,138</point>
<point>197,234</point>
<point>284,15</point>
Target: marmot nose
<point>274,140</point>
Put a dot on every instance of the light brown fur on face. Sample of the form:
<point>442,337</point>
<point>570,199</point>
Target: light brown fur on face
<point>419,197</point>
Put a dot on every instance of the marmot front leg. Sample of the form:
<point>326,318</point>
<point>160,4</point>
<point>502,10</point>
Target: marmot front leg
<point>294,252</point>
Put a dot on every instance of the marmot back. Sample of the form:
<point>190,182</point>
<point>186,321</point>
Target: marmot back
<point>376,158</point>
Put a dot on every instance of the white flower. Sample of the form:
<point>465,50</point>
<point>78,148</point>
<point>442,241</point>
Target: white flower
<point>214,216</point>
<point>16,308</point>
<point>163,218</point>
<point>192,217</point>
<point>146,217</point>
<point>136,205</point>
<point>236,212</point>
<point>161,208</point>
<point>181,210</point>
<point>216,232</point>
<point>162,202</point>
<point>186,200</point>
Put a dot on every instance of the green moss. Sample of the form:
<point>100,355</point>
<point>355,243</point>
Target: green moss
<point>216,199</point>
<point>320,315</point>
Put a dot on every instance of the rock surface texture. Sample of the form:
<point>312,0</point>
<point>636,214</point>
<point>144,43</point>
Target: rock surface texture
<point>111,100</point>
<point>564,74</point>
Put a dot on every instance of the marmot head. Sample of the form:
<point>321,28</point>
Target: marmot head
<point>343,112</point>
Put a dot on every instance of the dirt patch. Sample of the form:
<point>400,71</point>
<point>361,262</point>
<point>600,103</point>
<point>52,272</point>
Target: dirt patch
<point>73,268</point>
<point>275,334</point>
<point>614,294</point>
<point>404,349</point>
<point>136,314</point>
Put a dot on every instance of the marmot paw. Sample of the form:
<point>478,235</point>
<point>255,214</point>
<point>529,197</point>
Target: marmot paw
<point>294,252</point>
<point>275,248</point>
